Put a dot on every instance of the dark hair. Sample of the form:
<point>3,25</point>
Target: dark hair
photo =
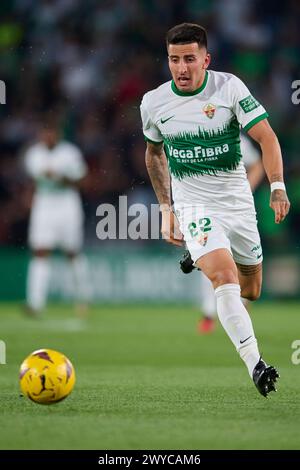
<point>186,33</point>
<point>51,120</point>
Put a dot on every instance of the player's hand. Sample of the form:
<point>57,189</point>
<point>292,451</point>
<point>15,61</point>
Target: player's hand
<point>51,174</point>
<point>170,228</point>
<point>280,204</point>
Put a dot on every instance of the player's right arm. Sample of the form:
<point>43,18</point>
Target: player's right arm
<point>158,171</point>
<point>156,163</point>
<point>157,167</point>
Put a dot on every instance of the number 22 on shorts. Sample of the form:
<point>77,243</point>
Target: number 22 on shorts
<point>200,230</point>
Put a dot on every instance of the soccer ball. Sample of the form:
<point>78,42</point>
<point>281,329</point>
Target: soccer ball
<point>46,376</point>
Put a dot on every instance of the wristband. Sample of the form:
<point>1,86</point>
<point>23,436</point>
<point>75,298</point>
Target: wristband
<point>277,185</point>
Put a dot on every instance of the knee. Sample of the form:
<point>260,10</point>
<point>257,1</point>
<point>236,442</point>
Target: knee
<point>251,292</point>
<point>224,276</point>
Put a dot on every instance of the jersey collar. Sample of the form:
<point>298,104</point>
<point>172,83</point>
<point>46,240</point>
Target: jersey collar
<point>190,93</point>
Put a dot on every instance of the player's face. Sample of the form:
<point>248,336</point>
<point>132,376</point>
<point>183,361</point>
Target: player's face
<point>187,64</point>
<point>49,137</point>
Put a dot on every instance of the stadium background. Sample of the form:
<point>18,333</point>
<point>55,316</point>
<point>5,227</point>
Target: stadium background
<point>93,61</point>
<point>145,379</point>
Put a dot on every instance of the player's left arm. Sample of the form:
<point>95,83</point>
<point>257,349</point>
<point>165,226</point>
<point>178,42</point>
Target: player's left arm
<point>264,135</point>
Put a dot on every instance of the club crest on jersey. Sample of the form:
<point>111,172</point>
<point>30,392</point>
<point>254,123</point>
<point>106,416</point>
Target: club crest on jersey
<point>209,110</point>
<point>202,240</point>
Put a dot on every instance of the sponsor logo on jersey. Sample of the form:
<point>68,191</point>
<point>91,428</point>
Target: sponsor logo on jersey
<point>248,104</point>
<point>209,110</point>
<point>208,153</point>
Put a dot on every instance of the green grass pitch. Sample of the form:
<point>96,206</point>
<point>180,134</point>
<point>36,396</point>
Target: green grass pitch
<point>147,380</point>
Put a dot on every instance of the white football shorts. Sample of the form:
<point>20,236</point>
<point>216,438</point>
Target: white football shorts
<point>205,231</point>
<point>56,224</point>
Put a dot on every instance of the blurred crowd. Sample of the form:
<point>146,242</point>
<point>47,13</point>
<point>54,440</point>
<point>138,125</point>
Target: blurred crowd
<point>93,60</point>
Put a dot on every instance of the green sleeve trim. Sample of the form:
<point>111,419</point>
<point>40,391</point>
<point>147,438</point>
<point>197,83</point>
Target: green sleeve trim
<point>255,121</point>
<point>152,141</point>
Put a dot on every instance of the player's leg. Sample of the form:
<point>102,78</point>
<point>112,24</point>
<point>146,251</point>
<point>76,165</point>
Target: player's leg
<point>207,296</point>
<point>80,275</point>
<point>71,244</point>
<point>42,240</point>
<point>208,242</point>
<point>38,280</point>
<point>250,277</point>
<point>220,268</point>
<point>247,253</point>
<point>207,305</point>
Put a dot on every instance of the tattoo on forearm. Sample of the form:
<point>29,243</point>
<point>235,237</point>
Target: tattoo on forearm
<point>249,270</point>
<point>276,177</point>
<point>159,175</point>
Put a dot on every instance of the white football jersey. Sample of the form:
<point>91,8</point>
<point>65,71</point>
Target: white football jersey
<point>201,135</point>
<point>65,160</point>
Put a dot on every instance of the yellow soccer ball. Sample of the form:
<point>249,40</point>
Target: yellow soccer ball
<point>46,376</point>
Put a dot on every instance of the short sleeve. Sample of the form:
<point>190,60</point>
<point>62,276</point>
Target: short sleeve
<point>150,130</point>
<point>246,108</point>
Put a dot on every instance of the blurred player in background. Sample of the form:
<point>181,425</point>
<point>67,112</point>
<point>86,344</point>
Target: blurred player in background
<point>255,174</point>
<point>56,220</point>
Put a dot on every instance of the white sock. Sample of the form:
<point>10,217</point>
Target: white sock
<point>80,271</point>
<point>237,323</point>
<point>208,299</point>
<point>38,282</point>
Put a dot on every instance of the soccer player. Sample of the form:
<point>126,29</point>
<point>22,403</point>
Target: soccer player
<point>56,219</point>
<point>192,127</point>
<point>255,173</point>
